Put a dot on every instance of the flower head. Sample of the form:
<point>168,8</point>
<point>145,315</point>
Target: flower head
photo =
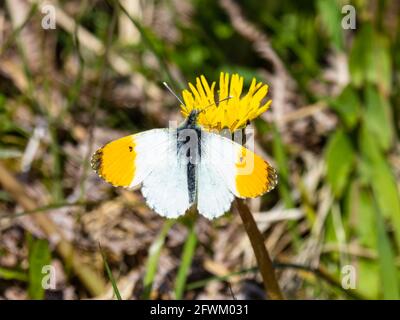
<point>228,109</point>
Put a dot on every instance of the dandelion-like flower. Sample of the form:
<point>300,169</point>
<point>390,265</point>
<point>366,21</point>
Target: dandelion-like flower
<point>226,109</point>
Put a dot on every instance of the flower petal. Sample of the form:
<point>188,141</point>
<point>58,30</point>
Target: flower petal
<point>233,113</point>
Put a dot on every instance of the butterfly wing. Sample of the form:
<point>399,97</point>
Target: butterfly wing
<point>213,196</point>
<point>151,159</point>
<point>166,186</point>
<point>125,162</point>
<point>148,159</point>
<point>228,169</point>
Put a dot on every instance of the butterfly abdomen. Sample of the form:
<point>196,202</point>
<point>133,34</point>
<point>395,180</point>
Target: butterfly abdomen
<point>189,151</point>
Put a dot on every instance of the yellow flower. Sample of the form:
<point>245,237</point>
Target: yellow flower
<point>228,109</point>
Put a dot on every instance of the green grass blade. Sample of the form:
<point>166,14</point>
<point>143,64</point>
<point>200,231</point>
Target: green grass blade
<point>10,274</point>
<point>110,275</point>
<point>154,255</point>
<point>348,106</point>
<point>282,162</point>
<point>39,256</point>
<point>331,17</point>
<point>382,180</point>
<point>339,158</point>
<point>387,263</point>
<point>186,261</point>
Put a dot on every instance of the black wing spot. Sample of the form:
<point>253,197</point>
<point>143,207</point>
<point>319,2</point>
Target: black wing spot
<point>130,149</point>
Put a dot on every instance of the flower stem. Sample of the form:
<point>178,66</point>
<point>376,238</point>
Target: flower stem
<point>264,262</point>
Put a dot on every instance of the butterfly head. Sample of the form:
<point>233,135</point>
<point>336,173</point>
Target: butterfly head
<point>193,116</point>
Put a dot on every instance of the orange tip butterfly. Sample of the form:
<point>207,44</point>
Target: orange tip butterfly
<point>184,167</point>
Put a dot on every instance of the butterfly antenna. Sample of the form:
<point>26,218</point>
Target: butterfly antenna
<point>218,102</point>
<point>172,92</point>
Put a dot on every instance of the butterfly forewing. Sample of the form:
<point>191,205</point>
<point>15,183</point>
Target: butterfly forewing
<point>149,159</point>
<point>230,167</point>
<point>125,162</point>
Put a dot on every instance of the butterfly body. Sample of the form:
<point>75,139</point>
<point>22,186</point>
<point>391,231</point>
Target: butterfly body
<point>182,167</point>
<point>193,153</point>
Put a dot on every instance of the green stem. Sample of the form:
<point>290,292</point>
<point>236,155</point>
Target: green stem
<point>186,261</point>
<point>154,256</point>
<point>109,274</point>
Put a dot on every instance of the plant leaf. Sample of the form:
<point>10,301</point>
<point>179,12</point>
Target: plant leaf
<point>39,256</point>
<point>339,159</point>
<point>347,105</point>
<point>11,274</point>
<point>154,256</point>
<point>370,60</point>
<point>331,19</point>
<point>378,118</point>
<point>387,263</point>
<point>382,181</point>
<point>186,262</point>
<point>110,275</point>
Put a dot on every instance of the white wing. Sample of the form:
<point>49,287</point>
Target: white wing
<point>214,195</point>
<point>228,169</point>
<point>151,147</point>
<point>148,159</point>
<point>165,187</point>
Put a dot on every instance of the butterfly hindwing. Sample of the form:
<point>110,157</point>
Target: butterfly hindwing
<point>214,197</point>
<point>166,187</point>
<point>244,174</point>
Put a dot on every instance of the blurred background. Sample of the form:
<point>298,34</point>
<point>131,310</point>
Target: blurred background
<point>77,74</point>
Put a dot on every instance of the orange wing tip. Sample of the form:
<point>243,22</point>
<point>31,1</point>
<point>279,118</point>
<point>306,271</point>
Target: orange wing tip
<point>115,162</point>
<point>263,179</point>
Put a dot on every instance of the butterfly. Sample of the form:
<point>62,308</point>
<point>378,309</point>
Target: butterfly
<point>183,167</point>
